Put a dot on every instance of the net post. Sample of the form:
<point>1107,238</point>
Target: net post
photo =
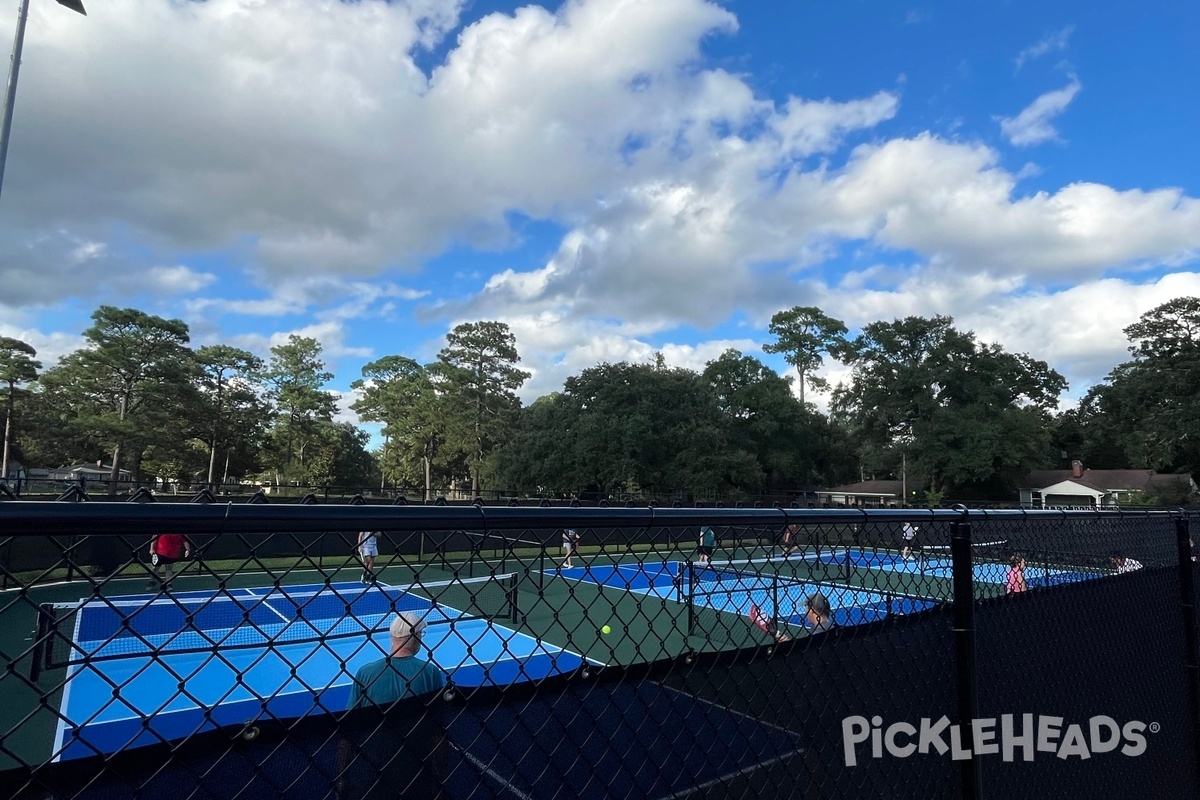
<point>971,780</point>
<point>1191,636</point>
<point>775,600</point>
<point>542,573</point>
<point>691,598</point>
<point>515,607</point>
<point>41,654</point>
<point>471,554</point>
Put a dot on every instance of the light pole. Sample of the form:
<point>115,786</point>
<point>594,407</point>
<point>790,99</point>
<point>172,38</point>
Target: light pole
<point>14,69</point>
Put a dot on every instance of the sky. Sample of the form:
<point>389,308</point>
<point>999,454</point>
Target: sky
<point>611,178</point>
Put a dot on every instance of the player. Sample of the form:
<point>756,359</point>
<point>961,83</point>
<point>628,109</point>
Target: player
<point>909,539</point>
<point>817,612</point>
<point>167,550</point>
<point>368,548</point>
<point>393,743</point>
<point>1015,581</point>
<point>707,543</point>
<point>791,539</point>
<point>570,545</point>
<point>403,673</point>
<point>1123,564</point>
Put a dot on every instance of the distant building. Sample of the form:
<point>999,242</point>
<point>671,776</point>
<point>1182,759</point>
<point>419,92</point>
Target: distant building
<point>92,472</point>
<point>1099,488</point>
<point>870,494</point>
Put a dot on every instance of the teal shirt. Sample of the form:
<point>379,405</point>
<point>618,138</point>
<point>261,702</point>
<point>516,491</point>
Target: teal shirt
<point>390,679</point>
<point>710,538</point>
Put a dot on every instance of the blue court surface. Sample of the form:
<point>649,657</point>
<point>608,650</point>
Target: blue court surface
<point>940,566</point>
<point>144,670</point>
<point>735,591</point>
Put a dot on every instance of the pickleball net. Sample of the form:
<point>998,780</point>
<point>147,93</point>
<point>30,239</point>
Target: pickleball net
<point>783,598</point>
<point>95,630</point>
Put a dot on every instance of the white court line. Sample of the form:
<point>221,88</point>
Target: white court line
<point>508,786</point>
<point>491,773</point>
<point>727,776</point>
<point>727,710</point>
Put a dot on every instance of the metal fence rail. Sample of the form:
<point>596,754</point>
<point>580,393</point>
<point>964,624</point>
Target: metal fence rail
<point>306,650</point>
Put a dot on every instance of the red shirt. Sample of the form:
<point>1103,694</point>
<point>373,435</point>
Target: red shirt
<point>170,545</point>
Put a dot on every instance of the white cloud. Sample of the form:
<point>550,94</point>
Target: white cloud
<point>327,296</point>
<point>808,127</point>
<point>305,127</point>
<point>343,401</point>
<point>1034,125</point>
<point>301,138</point>
<point>331,335</point>
<point>160,280</point>
<point>50,346</point>
<point>954,205</point>
<point>696,252</point>
<point>1051,42</point>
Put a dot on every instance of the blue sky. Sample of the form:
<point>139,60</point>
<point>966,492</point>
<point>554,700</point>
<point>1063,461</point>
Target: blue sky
<point>609,177</point>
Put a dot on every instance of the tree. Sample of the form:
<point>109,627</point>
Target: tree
<point>398,392</point>
<point>1167,331</point>
<point>1147,412</point>
<point>962,412</point>
<point>126,384</point>
<point>803,335</point>
<point>763,418</point>
<point>17,366</point>
<point>477,373</point>
<point>792,443</point>
<point>627,427</point>
<point>230,404</point>
<point>296,376</point>
<point>338,456</point>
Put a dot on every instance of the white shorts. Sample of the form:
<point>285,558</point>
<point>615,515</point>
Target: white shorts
<point>369,548</point>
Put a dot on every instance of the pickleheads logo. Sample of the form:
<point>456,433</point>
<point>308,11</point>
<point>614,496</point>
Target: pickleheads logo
<point>1025,734</point>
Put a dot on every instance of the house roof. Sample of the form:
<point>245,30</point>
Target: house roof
<point>876,488</point>
<point>1105,480</point>
<point>1168,480</point>
<point>89,468</point>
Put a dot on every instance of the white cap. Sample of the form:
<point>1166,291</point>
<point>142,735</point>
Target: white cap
<point>406,624</point>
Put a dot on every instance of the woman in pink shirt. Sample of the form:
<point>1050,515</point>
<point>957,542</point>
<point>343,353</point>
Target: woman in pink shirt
<point>1016,574</point>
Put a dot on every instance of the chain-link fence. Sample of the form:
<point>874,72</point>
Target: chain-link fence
<point>316,651</point>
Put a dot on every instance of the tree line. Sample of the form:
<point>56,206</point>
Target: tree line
<point>923,398</point>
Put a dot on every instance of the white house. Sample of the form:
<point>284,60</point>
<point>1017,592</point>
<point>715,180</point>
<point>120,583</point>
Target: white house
<point>1098,488</point>
<point>869,494</point>
<point>93,472</point>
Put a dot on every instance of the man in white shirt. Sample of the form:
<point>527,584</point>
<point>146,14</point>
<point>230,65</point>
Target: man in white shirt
<point>368,548</point>
<point>1124,564</point>
<point>909,535</point>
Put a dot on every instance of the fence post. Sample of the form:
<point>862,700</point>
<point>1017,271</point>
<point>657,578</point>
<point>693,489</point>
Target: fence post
<point>1187,603</point>
<point>964,654</point>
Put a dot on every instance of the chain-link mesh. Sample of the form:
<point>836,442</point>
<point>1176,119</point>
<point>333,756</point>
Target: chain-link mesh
<point>316,651</point>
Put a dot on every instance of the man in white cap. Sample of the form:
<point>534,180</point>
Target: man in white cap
<point>403,673</point>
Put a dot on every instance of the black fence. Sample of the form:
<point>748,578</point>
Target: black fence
<point>275,650</point>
